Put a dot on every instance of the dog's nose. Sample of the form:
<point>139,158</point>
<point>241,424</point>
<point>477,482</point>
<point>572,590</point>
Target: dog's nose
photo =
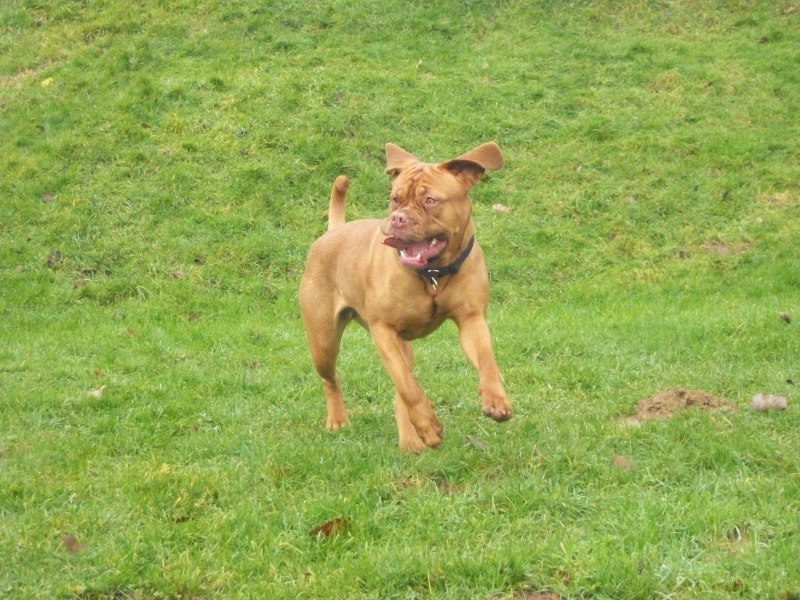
<point>400,219</point>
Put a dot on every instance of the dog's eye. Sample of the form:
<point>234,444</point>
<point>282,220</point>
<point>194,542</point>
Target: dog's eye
<point>430,201</point>
<point>395,200</point>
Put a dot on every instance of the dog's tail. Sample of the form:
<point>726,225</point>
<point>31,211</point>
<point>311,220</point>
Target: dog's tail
<point>336,207</point>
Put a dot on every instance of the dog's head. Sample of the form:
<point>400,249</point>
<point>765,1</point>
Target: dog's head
<point>429,211</point>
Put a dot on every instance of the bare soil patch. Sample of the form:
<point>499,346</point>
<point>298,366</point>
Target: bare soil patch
<point>662,405</point>
<point>724,249</point>
<point>777,199</point>
<point>15,80</point>
<point>622,463</point>
<point>530,595</point>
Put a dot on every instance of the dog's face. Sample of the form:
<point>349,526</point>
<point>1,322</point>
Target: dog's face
<point>429,208</point>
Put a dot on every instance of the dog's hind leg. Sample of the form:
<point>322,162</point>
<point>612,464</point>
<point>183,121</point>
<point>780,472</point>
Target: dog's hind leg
<point>324,351</point>
<point>324,330</point>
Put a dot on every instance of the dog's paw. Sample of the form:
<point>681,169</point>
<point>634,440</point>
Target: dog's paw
<point>335,424</point>
<point>432,434</point>
<point>412,444</point>
<point>432,439</point>
<point>427,426</point>
<point>496,407</point>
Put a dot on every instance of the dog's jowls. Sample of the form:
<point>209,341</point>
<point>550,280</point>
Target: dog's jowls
<point>401,278</point>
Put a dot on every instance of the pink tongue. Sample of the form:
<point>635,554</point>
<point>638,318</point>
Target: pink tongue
<point>409,247</point>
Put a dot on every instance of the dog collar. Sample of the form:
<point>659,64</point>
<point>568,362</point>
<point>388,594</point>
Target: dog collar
<point>432,275</point>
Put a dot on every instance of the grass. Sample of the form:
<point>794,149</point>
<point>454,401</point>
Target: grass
<point>178,156</point>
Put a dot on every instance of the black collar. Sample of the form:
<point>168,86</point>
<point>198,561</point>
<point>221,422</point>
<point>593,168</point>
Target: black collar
<point>432,275</point>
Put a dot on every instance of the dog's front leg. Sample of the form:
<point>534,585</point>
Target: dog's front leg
<point>477,345</point>
<point>407,434</point>
<point>415,407</point>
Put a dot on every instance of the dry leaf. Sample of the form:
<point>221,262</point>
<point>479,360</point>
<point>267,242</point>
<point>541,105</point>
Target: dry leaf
<point>98,393</point>
<point>53,258</point>
<point>178,274</point>
<point>331,528</point>
<point>79,283</point>
<point>785,316</point>
<point>477,444</point>
<point>71,544</point>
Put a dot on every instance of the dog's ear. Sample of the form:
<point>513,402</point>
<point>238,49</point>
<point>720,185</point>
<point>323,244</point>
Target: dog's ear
<point>396,157</point>
<point>471,166</point>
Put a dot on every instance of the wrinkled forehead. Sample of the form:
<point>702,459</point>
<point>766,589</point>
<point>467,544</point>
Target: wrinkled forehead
<point>423,179</point>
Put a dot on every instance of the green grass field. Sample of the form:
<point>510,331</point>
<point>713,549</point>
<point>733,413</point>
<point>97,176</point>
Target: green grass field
<point>164,167</point>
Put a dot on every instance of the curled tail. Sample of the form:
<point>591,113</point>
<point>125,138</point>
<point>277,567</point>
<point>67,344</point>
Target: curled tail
<point>336,207</point>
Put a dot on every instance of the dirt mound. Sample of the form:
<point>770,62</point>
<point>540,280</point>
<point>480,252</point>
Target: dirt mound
<point>663,405</point>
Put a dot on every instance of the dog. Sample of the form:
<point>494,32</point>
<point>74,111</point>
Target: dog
<point>401,278</point>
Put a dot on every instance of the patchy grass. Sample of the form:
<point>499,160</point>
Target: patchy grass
<point>163,170</point>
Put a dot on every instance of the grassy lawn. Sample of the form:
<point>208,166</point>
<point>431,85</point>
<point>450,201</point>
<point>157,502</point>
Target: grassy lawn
<point>164,167</point>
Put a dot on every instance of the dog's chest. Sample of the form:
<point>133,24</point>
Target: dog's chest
<point>417,319</point>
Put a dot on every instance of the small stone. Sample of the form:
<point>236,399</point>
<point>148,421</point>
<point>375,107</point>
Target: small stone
<point>98,393</point>
<point>764,402</point>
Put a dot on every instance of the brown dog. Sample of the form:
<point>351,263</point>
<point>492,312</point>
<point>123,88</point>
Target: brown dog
<point>401,278</point>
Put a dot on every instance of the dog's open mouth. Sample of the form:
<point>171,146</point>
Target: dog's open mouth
<point>417,254</point>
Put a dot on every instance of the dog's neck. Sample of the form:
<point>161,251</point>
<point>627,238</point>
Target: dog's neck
<point>433,275</point>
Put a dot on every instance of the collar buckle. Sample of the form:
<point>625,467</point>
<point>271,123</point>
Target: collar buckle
<point>430,275</point>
